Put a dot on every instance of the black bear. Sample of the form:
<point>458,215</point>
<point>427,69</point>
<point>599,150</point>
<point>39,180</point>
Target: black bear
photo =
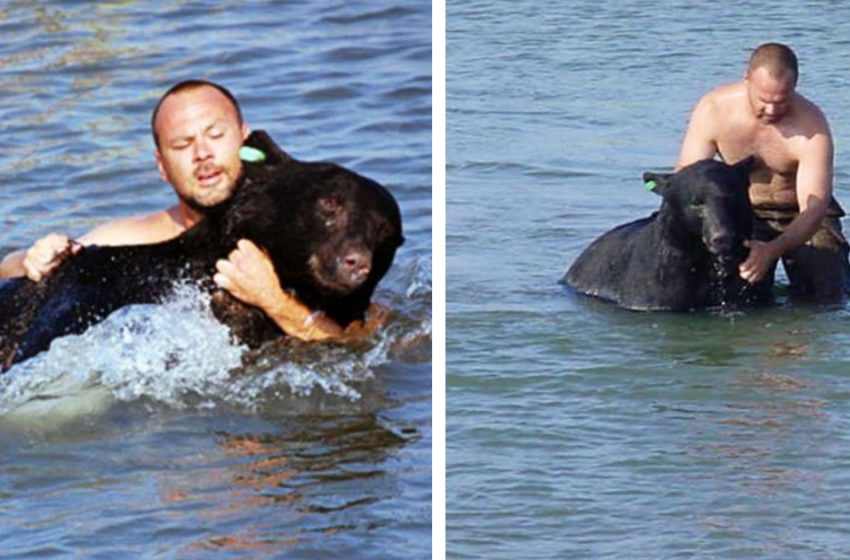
<point>330,233</point>
<point>686,255</point>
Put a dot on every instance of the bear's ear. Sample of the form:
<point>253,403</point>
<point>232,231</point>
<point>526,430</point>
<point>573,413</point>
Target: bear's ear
<point>260,140</point>
<point>656,182</point>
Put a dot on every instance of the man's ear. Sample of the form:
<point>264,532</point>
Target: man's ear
<point>656,182</point>
<point>160,165</point>
<point>246,130</point>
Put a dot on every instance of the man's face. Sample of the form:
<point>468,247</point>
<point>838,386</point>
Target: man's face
<point>199,140</point>
<point>770,97</point>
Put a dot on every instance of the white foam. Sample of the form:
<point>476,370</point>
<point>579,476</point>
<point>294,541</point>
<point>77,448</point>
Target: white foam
<point>177,353</point>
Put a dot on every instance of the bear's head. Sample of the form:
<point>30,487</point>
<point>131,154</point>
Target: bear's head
<point>707,208</point>
<point>332,234</point>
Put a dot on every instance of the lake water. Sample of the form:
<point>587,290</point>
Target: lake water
<point>578,430</point>
<point>161,445</point>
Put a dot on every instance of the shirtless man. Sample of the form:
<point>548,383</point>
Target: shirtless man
<point>797,219</point>
<point>198,130</point>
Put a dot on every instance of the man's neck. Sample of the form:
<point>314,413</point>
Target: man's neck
<point>184,216</point>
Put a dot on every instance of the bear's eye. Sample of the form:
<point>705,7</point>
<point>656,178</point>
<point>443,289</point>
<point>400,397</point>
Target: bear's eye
<point>329,204</point>
<point>384,230</point>
<point>331,211</point>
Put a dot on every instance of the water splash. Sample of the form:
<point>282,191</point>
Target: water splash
<point>718,283</point>
<point>729,292</point>
<point>158,351</point>
<point>177,354</point>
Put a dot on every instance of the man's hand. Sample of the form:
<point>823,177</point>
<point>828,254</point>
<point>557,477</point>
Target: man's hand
<point>376,317</point>
<point>249,275</point>
<point>759,261</point>
<point>47,253</point>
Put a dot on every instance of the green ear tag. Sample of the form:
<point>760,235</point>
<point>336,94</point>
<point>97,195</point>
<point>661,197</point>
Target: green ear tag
<point>252,155</point>
<point>650,185</point>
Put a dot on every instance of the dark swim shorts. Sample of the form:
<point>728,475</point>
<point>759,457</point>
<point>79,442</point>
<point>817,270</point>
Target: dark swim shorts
<point>819,269</point>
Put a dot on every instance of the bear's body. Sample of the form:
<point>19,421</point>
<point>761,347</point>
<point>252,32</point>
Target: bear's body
<point>686,255</point>
<point>330,233</point>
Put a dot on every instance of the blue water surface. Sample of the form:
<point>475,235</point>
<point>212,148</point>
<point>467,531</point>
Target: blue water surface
<point>146,438</point>
<point>578,430</point>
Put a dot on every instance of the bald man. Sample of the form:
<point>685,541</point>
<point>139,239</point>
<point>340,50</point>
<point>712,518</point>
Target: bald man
<point>797,219</point>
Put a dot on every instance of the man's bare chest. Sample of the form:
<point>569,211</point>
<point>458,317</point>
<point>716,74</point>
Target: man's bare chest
<point>772,148</point>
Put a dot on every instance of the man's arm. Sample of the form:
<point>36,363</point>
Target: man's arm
<point>50,251</point>
<point>814,191</point>
<point>12,264</point>
<point>40,259</point>
<point>248,274</point>
<point>700,137</point>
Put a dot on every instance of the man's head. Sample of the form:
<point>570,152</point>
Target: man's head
<point>771,78</point>
<point>198,129</point>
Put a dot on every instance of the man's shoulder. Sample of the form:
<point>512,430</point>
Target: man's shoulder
<point>811,115</point>
<point>722,96</point>
<point>133,230</point>
<point>718,104</point>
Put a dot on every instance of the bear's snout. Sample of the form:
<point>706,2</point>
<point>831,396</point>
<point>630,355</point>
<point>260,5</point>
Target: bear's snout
<point>721,243</point>
<point>354,266</point>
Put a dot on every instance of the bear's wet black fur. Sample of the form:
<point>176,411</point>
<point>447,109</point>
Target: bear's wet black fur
<point>686,255</point>
<point>331,235</point>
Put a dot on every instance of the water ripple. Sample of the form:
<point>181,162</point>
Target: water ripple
<point>166,453</point>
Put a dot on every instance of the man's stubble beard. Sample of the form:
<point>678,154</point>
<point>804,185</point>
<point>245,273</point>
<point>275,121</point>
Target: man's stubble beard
<point>203,207</point>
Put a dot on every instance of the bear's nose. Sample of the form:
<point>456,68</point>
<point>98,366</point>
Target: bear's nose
<point>721,242</point>
<point>356,265</point>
